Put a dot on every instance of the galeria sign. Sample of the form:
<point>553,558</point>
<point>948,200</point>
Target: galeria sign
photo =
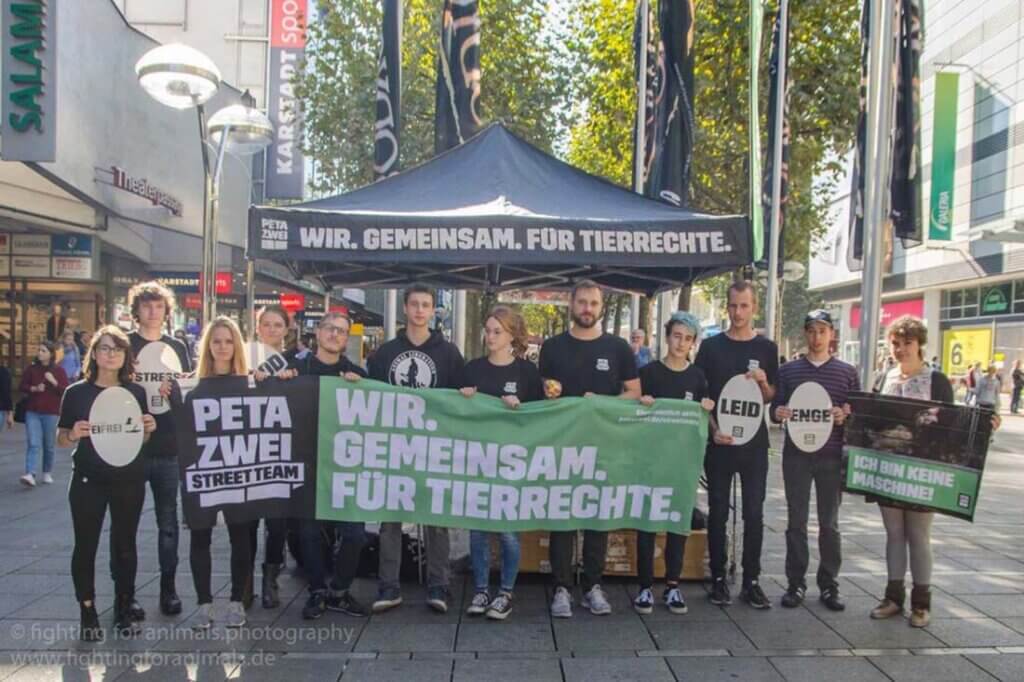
<point>434,457</point>
<point>810,426</point>
<point>740,409</point>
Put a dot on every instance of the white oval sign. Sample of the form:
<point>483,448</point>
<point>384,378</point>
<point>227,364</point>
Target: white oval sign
<point>811,424</point>
<point>265,359</point>
<point>115,426</point>
<point>740,409</point>
<point>156,362</point>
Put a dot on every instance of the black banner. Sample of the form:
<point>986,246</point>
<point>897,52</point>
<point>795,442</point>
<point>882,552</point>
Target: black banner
<point>652,70</point>
<point>387,127</point>
<point>669,178</point>
<point>769,170</point>
<point>248,452</point>
<point>456,114</point>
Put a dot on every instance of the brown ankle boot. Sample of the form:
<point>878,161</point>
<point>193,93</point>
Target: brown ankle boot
<point>920,606</point>
<point>892,604</point>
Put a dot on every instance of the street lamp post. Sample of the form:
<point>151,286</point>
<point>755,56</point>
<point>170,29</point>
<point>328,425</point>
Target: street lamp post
<point>181,77</point>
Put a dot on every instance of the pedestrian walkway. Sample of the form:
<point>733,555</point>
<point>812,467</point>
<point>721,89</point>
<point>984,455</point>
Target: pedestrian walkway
<point>977,625</point>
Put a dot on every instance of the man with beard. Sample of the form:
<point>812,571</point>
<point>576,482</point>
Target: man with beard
<point>740,350</point>
<point>582,362</point>
<point>823,467</point>
<point>422,359</point>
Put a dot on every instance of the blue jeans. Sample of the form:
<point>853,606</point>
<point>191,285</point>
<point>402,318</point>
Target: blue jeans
<point>162,474</point>
<point>480,552</point>
<point>42,435</point>
<point>345,557</point>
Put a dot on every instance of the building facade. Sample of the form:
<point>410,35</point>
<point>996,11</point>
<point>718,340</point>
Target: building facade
<point>967,278</point>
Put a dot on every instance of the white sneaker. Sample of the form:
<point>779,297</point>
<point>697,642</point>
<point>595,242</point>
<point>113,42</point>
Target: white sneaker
<point>597,602</point>
<point>235,617</point>
<point>29,480</point>
<point>561,604</point>
<point>47,478</point>
<point>204,618</point>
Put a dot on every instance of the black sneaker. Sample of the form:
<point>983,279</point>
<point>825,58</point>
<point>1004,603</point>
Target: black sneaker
<point>831,599</point>
<point>644,602</point>
<point>135,611</point>
<point>387,598</point>
<point>344,602</point>
<point>720,593</point>
<point>437,599</point>
<point>675,601</point>
<point>500,607</point>
<point>170,604</point>
<point>794,596</point>
<point>315,606</point>
<point>754,595</point>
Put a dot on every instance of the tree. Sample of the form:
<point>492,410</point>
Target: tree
<point>523,82</point>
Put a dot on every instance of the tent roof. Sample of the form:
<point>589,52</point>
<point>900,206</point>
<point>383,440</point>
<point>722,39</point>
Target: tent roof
<point>497,213</point>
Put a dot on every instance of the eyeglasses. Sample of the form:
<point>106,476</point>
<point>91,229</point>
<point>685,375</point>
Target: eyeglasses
<point>331,329</point>
<point>109,350</point>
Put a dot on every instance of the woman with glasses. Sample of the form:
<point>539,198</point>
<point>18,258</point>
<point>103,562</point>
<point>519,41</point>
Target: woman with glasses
<point>97,485</point>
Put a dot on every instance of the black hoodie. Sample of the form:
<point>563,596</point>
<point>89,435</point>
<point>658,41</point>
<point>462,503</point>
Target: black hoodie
<point>435,364</point>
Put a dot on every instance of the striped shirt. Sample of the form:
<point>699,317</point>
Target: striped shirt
<point>838,378</point>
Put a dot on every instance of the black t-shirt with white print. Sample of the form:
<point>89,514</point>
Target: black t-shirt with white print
<point>598,366</point>
<point>75,406</point>
<point>519,378</point>
<point>164,441</point>
<point>660,381</point>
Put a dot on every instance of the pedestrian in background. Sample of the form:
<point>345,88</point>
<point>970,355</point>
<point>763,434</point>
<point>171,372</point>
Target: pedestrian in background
<point>6,404</point>
<point>1018,385</point>
<point>640,350</point>
<point>988,389</point>
<point>43,382</point>
<point>71,362</point>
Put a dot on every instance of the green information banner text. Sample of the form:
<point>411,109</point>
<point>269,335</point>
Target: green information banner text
<point>946,488</point>
<point>940,223</point>
<point>437,458</point>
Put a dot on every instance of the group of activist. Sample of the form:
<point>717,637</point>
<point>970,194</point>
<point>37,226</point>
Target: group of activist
<point>581,362</point>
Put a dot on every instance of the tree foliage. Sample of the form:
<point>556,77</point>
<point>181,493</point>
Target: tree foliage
<point>523,82</point>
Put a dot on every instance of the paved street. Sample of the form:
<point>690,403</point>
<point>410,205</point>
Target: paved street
<point>977,631</point>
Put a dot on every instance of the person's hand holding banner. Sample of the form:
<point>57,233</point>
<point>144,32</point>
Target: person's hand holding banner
<point>80,430</point>
<point>148,424</point>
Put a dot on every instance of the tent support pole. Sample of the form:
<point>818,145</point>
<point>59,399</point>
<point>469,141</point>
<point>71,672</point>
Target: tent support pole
<point>773,297</point>
<point>459,323</point>
<point>391,315</point>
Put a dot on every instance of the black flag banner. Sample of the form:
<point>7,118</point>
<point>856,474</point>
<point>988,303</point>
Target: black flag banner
<point>650,69</point>
<point>247,452</point>
<point>904,197</point>
<point>456,113</point>
<point>669,178</point>
<point>769,170</point>
<point>387,127</point>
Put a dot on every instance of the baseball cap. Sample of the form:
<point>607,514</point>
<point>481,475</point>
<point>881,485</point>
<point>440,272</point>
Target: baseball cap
<point>819,315</point>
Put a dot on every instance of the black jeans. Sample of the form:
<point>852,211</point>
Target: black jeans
<point>1015,399</point>
<point>89,499</point>
<point>346,557</point>
<point>276,534</point>
<point>595,550</point>
<point>675,548</point>
<point>721,463</point>
<point>799,470</point>
<point>162,474</point>
<point>202,564</point>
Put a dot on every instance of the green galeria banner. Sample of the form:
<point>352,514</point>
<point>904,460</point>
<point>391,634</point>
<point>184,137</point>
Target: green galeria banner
<point>940,223</point>
<point>946,488</point>
<point>437,458</point>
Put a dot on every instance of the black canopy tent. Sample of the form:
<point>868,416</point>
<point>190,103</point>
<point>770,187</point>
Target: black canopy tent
<point>497,213</point>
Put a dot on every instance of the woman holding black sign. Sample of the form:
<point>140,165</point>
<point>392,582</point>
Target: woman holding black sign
<point>221,354</point>
<point>107,472</point>
<point>505,374</point>
<point>907,527</point>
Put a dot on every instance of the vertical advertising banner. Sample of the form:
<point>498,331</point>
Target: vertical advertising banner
<point>940,223</point>
<point>285,167</point>
<point>962,348</point>
<point>29,123</point>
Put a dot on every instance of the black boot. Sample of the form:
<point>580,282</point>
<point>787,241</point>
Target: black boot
<point>170,605</point>
<point>136,611</point>
<point>90,629</point>
<point>269,595</point>
<point>123,623</point>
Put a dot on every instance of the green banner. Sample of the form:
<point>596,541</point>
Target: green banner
<point>940,223</point>
<point>437,458</point>
<point>946,488</point>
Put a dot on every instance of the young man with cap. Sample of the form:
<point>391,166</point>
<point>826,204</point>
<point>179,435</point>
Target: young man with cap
<point>738,351</point>
<point>418,358</point>
<point>823,467</point>
<point>583,362</point>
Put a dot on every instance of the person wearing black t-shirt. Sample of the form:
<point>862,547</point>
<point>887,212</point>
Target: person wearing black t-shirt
<point>582,362</point>
<point>671,377</point>
<point>97,485</point>
<point>152,304</point>
<point>738,351</point>
<point>505,374</point>
<point>330,361</point>
<point>271,327</point>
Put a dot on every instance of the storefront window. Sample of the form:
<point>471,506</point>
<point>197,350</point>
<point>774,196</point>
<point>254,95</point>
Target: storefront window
<point>1018,296</point>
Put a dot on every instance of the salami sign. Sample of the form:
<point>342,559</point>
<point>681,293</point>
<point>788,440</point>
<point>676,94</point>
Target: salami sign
<point>115,426</point>
<point>811,424</point>
<point>741,409</point>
